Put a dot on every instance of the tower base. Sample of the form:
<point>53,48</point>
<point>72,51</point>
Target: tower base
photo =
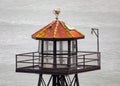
<point>59,80</point>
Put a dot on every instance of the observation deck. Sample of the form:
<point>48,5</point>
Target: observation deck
<point>31,63</point>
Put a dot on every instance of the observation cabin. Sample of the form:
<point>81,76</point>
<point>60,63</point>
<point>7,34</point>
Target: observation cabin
<point>58,55</point>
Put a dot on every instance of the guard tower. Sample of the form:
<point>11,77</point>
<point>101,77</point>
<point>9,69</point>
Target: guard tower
<point>58,56</point>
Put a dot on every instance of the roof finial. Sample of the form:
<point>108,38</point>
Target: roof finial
<point>57,12</point>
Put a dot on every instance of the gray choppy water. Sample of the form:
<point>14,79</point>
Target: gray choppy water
<point>19,19</point>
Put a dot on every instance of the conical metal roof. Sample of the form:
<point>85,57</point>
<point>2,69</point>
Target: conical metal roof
<point>57,30</point>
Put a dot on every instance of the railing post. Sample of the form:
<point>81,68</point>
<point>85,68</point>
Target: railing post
<point>99,59</point>
<point>33,59</point>
<point>16,61</point>
<point>39,61</point>
<point>83,61</point>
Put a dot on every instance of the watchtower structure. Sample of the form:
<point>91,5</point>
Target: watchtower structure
<point>58,56</point>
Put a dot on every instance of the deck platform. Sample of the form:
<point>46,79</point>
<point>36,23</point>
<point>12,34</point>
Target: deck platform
<point>62,71</point>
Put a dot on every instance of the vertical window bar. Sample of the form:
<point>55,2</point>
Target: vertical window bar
<point>69,53</point>
<point>42,50</point>
<point>76,52</point>
<point>54,54</point>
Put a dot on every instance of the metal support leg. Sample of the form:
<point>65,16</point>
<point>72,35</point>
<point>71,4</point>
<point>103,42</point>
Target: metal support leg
<point>40,80</point>
<point>75,81</point>
<point>59,80</point>
<point>62,80</point>
<point>49,80</point>
<point>54,80</point>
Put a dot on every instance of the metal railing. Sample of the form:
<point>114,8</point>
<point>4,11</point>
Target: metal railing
<point>33,59</point>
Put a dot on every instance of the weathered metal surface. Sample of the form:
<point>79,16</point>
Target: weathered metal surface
<point>57,30</point>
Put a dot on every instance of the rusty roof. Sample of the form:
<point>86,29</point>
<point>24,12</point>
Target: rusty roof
<point>57,30</point>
